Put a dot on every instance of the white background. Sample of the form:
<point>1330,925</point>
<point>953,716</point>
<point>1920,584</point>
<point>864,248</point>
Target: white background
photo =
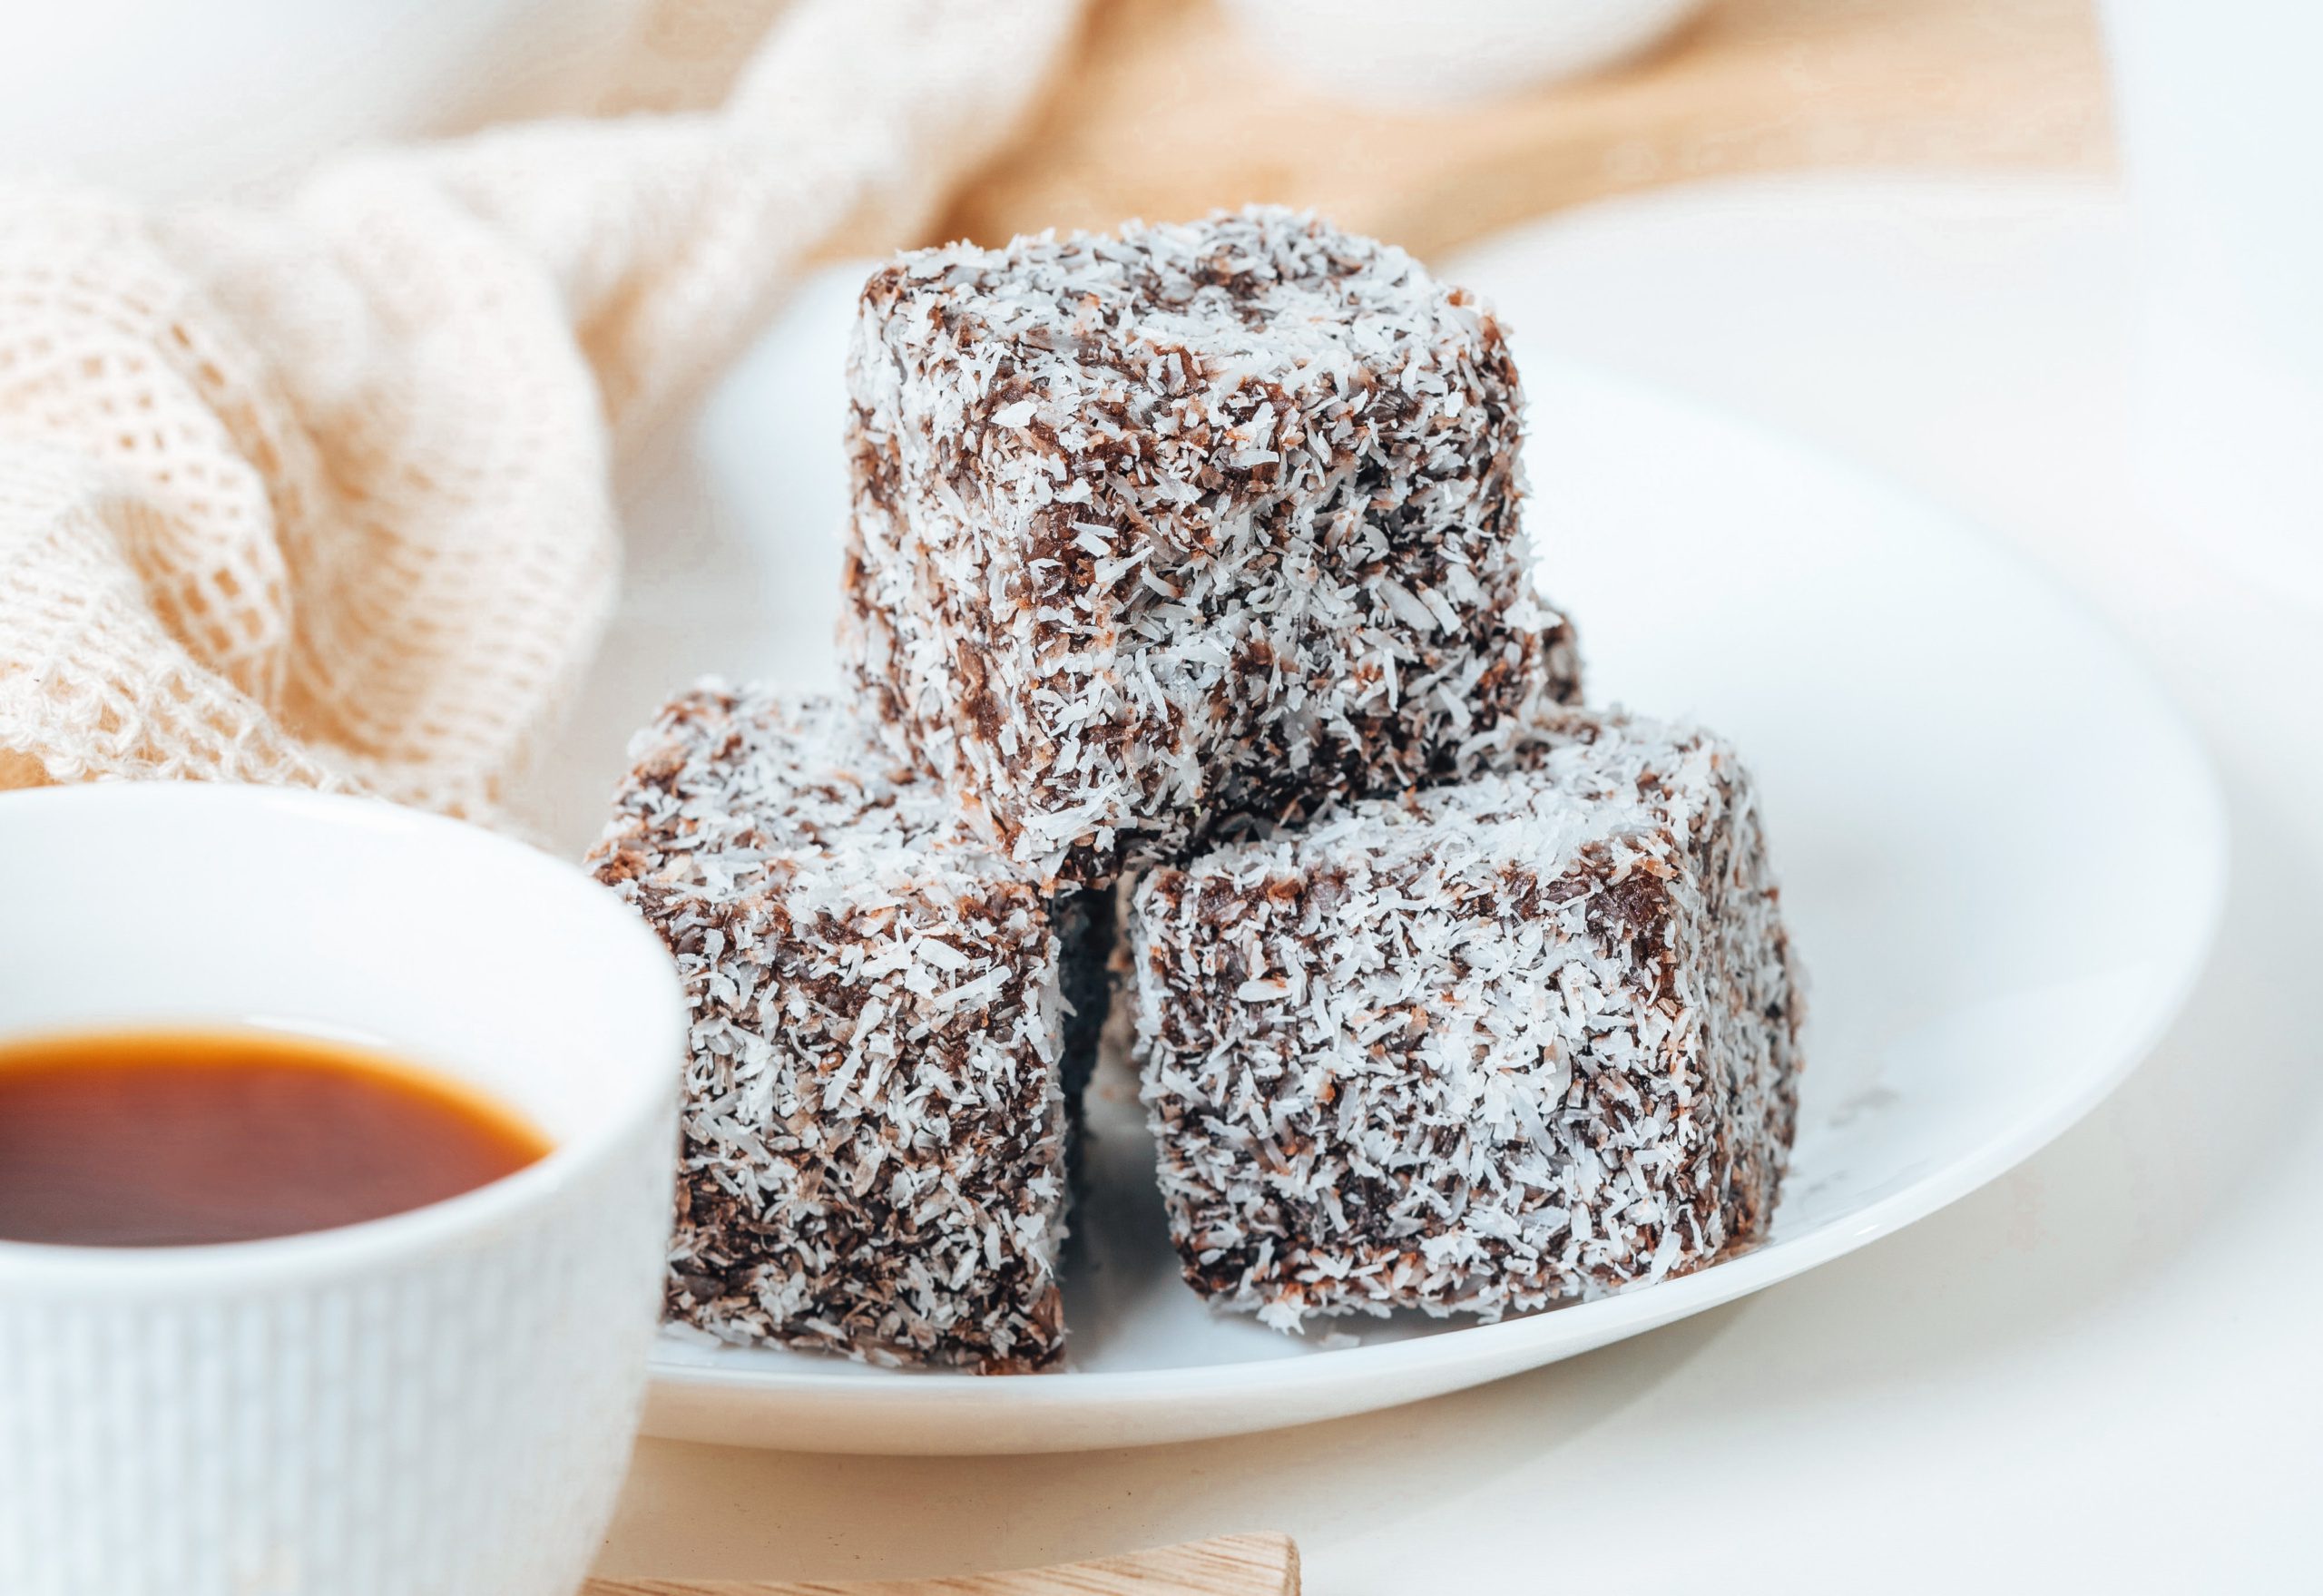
<point>2100,1371</point>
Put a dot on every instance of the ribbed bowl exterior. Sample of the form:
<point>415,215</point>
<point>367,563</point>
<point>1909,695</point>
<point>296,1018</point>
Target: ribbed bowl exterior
<point>447,1419</point>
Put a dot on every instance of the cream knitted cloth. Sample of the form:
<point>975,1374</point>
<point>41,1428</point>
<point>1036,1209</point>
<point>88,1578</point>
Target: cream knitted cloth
<point>320,494</point>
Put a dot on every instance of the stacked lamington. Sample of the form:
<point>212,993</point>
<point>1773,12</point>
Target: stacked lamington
<point>1191,558</point>
<point>1160,536</point>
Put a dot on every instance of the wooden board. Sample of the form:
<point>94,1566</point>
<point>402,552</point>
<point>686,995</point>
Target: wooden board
<point>1168,111</point>
<point>1229,1565</point>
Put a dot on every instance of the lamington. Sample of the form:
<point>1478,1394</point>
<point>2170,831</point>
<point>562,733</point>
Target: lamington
<point>1479,1048</point>
<point>1159,533</point>
<point>874,1130</point>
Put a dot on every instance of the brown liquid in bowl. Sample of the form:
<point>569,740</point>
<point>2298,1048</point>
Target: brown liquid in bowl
<point>181,1138</point>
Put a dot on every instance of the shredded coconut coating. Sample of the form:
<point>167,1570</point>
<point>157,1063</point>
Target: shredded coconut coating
<point>1479,1049</point>
<point>874,1133</point>
<point>1158,532</point>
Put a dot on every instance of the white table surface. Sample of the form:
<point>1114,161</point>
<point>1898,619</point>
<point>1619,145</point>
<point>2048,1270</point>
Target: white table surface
<point>2100,1370</point>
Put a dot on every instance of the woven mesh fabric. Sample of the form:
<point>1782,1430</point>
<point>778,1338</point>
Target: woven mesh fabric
<point>320,493</point>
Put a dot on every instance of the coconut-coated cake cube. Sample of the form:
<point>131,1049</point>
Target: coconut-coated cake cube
<point>1481,1048</point>
<point>1156,532</point>
<point>873,1130</point>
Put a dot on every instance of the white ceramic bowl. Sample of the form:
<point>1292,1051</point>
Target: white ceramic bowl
<point>436,1404</point>
<point>1391,52</point>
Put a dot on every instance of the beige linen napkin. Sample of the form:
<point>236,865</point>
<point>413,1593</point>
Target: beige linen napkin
<point>319,492</point>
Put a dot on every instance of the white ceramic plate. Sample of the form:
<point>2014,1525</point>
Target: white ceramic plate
<point>2003,857</point>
